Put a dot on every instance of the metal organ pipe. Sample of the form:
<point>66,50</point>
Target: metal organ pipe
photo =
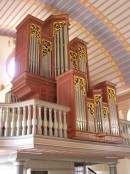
<point>80,106</point>
<point>65,47</point>
<point>77,109</point>
<point>91,125</point>
<point>46,58</point>
<point>105,120</point>
<point>34,56</point>
<point>33,53</point>
<point>99,113</point>
<point>80,103</point>
<point>57,54</point>
<point>61,50</point>
<point>113,111</point>
<point>113,116</point>
<point>30,56</point>
<point>55,57</point>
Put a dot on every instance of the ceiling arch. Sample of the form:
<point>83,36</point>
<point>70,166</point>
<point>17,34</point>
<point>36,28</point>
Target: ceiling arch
<point>100,23</point>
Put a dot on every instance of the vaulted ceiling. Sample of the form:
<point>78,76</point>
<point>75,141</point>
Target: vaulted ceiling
<point>104,24</point>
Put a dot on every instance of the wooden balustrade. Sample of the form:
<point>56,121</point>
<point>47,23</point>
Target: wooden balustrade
<point>125,131</point>
<point>33,117</point>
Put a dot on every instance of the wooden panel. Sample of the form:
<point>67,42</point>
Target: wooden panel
<point>28,86</point>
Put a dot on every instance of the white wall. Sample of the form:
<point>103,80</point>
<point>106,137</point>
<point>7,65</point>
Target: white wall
<point>53,167</point>
<point>5,51</point>
<point>123,166</point>
<point>6,168</point>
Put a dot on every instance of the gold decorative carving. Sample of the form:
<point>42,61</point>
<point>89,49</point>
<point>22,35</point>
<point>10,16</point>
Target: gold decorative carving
<point>74,59</point>
<point>80,81</point>
<point>111,93</point>
<point>35,29</point>
<point>57,26</point>
<point>91,108</point>
<point>105,111</point>
<point>82,52</point>
<point>46,47</point>
<point>97,99</point>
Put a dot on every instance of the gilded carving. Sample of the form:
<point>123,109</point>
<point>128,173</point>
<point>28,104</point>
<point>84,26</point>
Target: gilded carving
<point>35,29</point>
<point>46,47</point>
<point>82,52</point>
<point>97,99</point>
<point>80,81</point>
<point>105,111</point>
<point>74,59</point>
<point>57,26</point>
<point>111,93</point>
<point>91,108</point>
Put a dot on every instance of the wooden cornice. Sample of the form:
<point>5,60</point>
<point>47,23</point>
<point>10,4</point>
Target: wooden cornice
<point>35,144</point>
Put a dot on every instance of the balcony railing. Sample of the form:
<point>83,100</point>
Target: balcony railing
<point>33,117</point>
<point>41,118</point>
<point>125,131</point>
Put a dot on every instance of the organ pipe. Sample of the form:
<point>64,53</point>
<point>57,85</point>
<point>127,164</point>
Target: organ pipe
<point>46,58</point>
<point>99,114</point>
<point>80,103</point>
<point>82,52</point>
<point>113,111</point>
<point>105,119</point>
<point>34,56</point>
<point>60,47</point>
<point>91,126</point>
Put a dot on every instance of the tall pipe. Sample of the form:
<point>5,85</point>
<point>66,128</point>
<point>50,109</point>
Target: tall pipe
<point>61,50</point>
<point>65,47</point>
<point>55,66</point>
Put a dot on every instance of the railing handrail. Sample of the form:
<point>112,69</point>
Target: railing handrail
<point>36,102</point>
<point>124,121</point>
<point>91,170</point>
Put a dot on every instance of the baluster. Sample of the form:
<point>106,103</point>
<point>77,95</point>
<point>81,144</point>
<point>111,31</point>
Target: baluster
<point>6,132</point>
<point>1,121</point>
<point>18,124</point>
<point>125,133</point>
<point>45,121</point>
<point>50,122</point>
<point>13,123</point>
<point>24,122</point>
<point>39,124</point>
<point>34,121</point>
<point>29,121</point>
<point>64,125</point>
<point>60,125</point>
<point>129,133</point>
<point>55,124</point>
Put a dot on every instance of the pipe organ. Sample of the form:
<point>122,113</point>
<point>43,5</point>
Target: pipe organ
<point>50,68</point>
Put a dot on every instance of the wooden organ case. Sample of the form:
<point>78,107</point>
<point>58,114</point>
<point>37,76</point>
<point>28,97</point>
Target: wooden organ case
<point>41,55</point>
<point>50,68</point>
